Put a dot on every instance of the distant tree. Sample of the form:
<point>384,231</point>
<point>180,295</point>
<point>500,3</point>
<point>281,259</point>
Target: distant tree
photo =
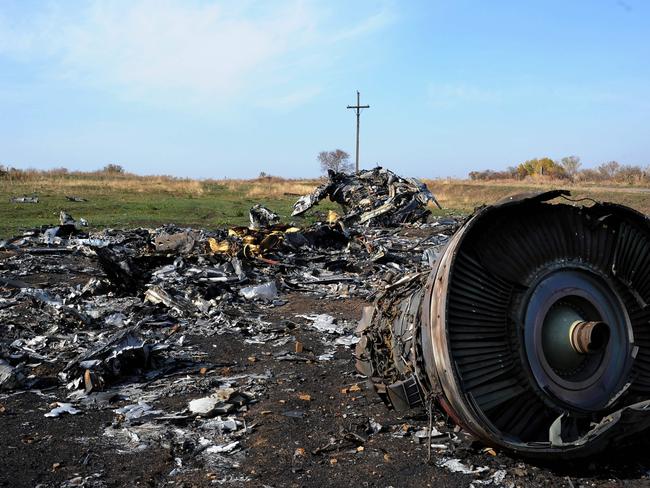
<point>113,168</point>
<point>511,171</point>
<point>541,167</point>
<point>571,165</point>
<point>630,174</point>
<point>337,160</point>
<point>609,170</point>
<point>590,175</point>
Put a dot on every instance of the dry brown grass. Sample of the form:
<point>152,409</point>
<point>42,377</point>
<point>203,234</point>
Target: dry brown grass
<point>102,183</point>
<point>268,187</point>
<point>278,189</point>
<point>141,185</point>
<point>461,195</point>
<point>69,183</point>
<point>465,195</point>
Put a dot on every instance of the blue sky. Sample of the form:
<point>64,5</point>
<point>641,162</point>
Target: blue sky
<point>229,89</point>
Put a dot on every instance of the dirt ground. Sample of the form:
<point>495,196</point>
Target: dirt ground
<point>312,423</point>
<point>309,429</point>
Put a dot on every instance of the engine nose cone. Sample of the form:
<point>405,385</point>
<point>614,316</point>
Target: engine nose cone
<point>589,337</point>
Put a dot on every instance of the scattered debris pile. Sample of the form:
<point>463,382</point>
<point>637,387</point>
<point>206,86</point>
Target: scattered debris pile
<point>531,331</point>
<point>113,320</point>
<point>206,348</point>
<point>376,197</point>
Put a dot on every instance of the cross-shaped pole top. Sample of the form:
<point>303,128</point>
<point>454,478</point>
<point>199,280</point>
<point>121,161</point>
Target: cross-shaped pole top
<point>358,105</point>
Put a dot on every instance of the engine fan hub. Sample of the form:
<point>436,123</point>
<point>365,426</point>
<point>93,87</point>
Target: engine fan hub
<point>577,338</point>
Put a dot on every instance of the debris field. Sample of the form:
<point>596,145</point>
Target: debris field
<point>226,357</point>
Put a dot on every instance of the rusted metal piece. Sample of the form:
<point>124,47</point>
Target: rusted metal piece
<point>473,335</point>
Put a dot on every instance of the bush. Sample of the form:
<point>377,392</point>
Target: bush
<point>490,175</point>
<point>57,172</point>
<point>113,169</point>
<point>12,174</point>
<point>541,167</point>
<point>609,170</point>
<point>589,175</point>
<point>631,175</point>
<point>613,172</point>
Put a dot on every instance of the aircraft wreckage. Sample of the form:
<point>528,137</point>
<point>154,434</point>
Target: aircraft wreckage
<point>528,324</point>
<point>531,331</point>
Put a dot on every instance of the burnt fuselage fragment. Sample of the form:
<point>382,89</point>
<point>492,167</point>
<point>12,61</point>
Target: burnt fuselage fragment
<point>376,197</point>
<point>531,331</point>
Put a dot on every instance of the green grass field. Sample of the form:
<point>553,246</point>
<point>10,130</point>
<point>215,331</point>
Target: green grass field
<point>123,206</point>
<point>123,202</point>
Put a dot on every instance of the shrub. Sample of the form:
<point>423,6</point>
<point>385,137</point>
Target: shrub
<point>632,175</point>
<point>541,167</point>
<point>113,169</point>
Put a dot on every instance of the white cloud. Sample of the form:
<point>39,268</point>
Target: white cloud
<point>370,24</point>
<point>292,99</point>
<point>188,52</point>
<point>445,95</point>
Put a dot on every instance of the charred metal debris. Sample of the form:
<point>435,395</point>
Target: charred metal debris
<point>375,197</point>
<point>531,330</point>
<point>527,325</point>
<point>24,199</point>
<point>108,320</point>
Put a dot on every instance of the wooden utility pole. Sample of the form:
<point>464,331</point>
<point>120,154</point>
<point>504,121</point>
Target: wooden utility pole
<point>358,107</point>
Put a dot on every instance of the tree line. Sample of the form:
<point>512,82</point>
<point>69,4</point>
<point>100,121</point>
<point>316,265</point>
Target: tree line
<point>17,174</point>
<point>569,169</point>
